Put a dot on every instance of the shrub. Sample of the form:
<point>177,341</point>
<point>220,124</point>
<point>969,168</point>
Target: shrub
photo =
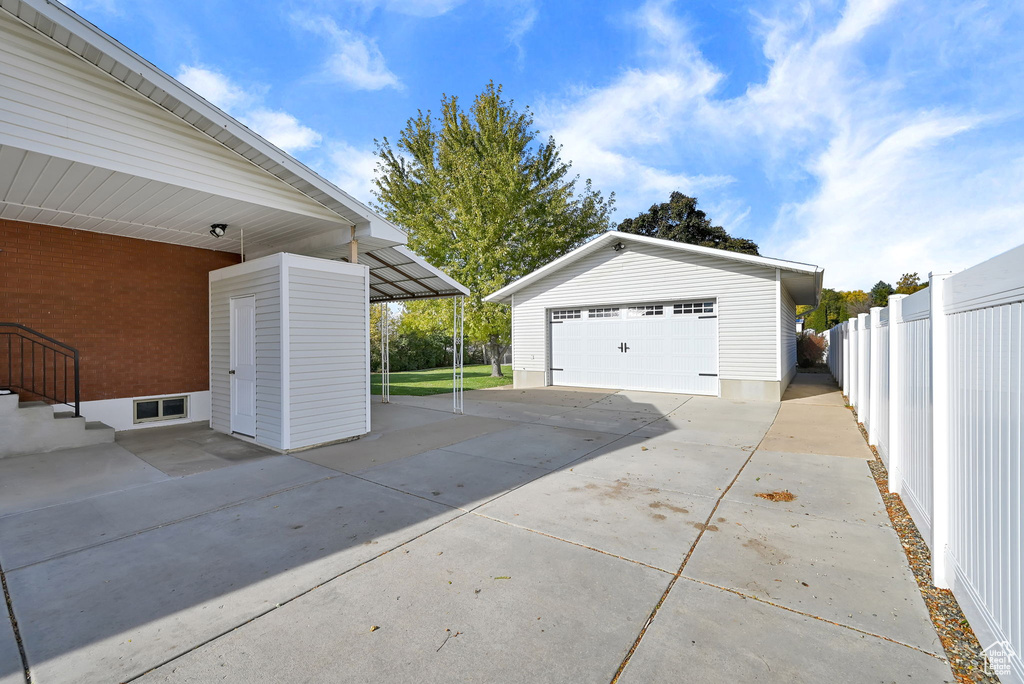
<point>810,350</point>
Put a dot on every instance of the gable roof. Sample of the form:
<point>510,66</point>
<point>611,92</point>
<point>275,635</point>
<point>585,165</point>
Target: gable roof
<point>810,274</point>
<point>88,42</point>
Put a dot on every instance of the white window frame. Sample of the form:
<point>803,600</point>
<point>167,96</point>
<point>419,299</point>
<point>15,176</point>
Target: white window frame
<point>160,411</point>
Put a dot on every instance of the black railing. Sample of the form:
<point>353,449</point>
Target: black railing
<point>38,365</point>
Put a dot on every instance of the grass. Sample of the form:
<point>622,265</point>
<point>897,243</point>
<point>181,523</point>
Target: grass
<point>439,380</point>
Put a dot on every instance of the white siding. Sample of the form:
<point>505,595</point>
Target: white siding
<point>788,337</point>
<point>54,103</point>
<point>748,329</point>
<point>328,354</point>
<point>266,285</point>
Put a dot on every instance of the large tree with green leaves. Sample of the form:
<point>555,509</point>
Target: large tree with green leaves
<point>679,219</point>
<point>485,199</point>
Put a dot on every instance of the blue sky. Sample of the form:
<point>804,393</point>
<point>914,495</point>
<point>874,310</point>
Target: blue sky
<point>871,137</point>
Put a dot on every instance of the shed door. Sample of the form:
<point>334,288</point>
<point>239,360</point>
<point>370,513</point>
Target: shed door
<point>654,347</point>
<point>242,370</point>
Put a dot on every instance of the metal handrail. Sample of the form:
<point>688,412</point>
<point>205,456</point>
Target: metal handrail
<point>47,387</point>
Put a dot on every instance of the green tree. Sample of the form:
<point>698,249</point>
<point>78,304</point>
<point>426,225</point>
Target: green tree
<point>880,293</point>
<point>831,311</point>
<point>679,219</point>
<point>909,284</point>
<point>857,302</point>
<point>486,200</point>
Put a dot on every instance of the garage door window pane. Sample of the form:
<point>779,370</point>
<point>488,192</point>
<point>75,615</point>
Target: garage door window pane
<point>565,314</point>
<point>694,308</point>
<point>603,313</point>
<point>649,310</point>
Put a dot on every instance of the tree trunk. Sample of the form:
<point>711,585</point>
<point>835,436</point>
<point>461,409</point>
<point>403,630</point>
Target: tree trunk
<point>495,351</point>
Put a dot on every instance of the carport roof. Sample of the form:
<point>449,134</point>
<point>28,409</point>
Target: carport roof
<point>802,280</point>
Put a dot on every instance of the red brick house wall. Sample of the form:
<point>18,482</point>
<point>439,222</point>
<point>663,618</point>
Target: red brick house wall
<point>136,310</point>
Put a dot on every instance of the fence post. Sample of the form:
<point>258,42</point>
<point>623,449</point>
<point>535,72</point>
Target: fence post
<point>874,388</point>
<point>846,359</point>
<point>942,501</point>
<point>864,369</point>
<point>896,399</point>
<point>854,359</point>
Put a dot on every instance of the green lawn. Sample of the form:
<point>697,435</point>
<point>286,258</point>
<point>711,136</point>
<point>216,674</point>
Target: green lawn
<point>439,380</point>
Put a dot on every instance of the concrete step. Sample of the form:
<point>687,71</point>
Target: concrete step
<point>33,428</point>
<point>9,402</point>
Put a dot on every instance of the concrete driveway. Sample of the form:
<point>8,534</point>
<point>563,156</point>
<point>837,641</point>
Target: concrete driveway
<point>548,535</point>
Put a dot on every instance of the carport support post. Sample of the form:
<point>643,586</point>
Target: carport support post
<point>874,388</point>
<point>385,355</point>
<point>353,248</point>
<point>864,368</point>
<point>458,317</point>
<point>895,394</point>
<point>942,501</point>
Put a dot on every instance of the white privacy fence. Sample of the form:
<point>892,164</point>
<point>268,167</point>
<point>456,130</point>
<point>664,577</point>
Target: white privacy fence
<point>937,378</point>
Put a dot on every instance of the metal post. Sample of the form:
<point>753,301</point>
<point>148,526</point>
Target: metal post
<point>458,387</point>
<point>385,355</point>
<point>942,576</point>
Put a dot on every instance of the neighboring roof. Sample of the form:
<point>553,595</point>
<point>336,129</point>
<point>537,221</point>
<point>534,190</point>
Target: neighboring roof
<point>808,270</point>
<point>93,45</point>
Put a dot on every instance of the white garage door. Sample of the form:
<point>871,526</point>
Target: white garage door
<point>655,347</point>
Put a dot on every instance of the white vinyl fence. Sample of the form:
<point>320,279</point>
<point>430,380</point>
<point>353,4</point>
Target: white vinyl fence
<point>937,378</point>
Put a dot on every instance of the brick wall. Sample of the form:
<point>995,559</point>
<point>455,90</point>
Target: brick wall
<point>136,310</point>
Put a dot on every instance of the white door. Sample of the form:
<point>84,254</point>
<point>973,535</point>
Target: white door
<point>655,347</point>
<point>242,369</point>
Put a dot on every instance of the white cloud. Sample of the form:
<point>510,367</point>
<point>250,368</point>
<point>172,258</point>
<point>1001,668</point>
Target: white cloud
<point>355,58</point>
<point>280,128</point>
<point>352,169</point>
<point>216,88</point>
<point>867,178</point>
<point>605,131</point>
<point>416,8</point>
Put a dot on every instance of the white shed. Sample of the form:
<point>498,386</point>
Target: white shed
<point>632,312</point>
<point>290,350</point>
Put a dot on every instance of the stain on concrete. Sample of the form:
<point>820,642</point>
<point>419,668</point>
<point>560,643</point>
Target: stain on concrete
<point>662,504</point>
<point>709,528</point>
<point>766,551</point>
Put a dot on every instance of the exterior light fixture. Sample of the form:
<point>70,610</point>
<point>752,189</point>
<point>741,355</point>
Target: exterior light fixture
<point>618,247</point>
<point>217,229</point>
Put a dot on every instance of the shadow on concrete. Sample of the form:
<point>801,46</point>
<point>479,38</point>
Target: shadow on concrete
<point>169,565</point>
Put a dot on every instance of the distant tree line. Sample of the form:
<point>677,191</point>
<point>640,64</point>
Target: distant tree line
<point>836,306</point>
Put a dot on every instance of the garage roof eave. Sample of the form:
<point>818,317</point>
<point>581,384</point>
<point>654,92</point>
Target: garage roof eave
<point>505,293</point>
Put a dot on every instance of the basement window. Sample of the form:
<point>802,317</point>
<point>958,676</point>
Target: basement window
<point>167,408</point>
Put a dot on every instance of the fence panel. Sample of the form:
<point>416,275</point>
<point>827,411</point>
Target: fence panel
<point>915,411</point>
<point>986,538</point>
<point>938,380</point>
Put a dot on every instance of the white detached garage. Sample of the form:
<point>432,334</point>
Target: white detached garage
<point>631,312</point>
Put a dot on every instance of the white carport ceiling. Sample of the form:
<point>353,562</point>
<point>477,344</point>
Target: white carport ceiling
<point>38,188</point>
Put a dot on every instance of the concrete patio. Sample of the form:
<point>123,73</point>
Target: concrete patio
<point>548,535</point>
